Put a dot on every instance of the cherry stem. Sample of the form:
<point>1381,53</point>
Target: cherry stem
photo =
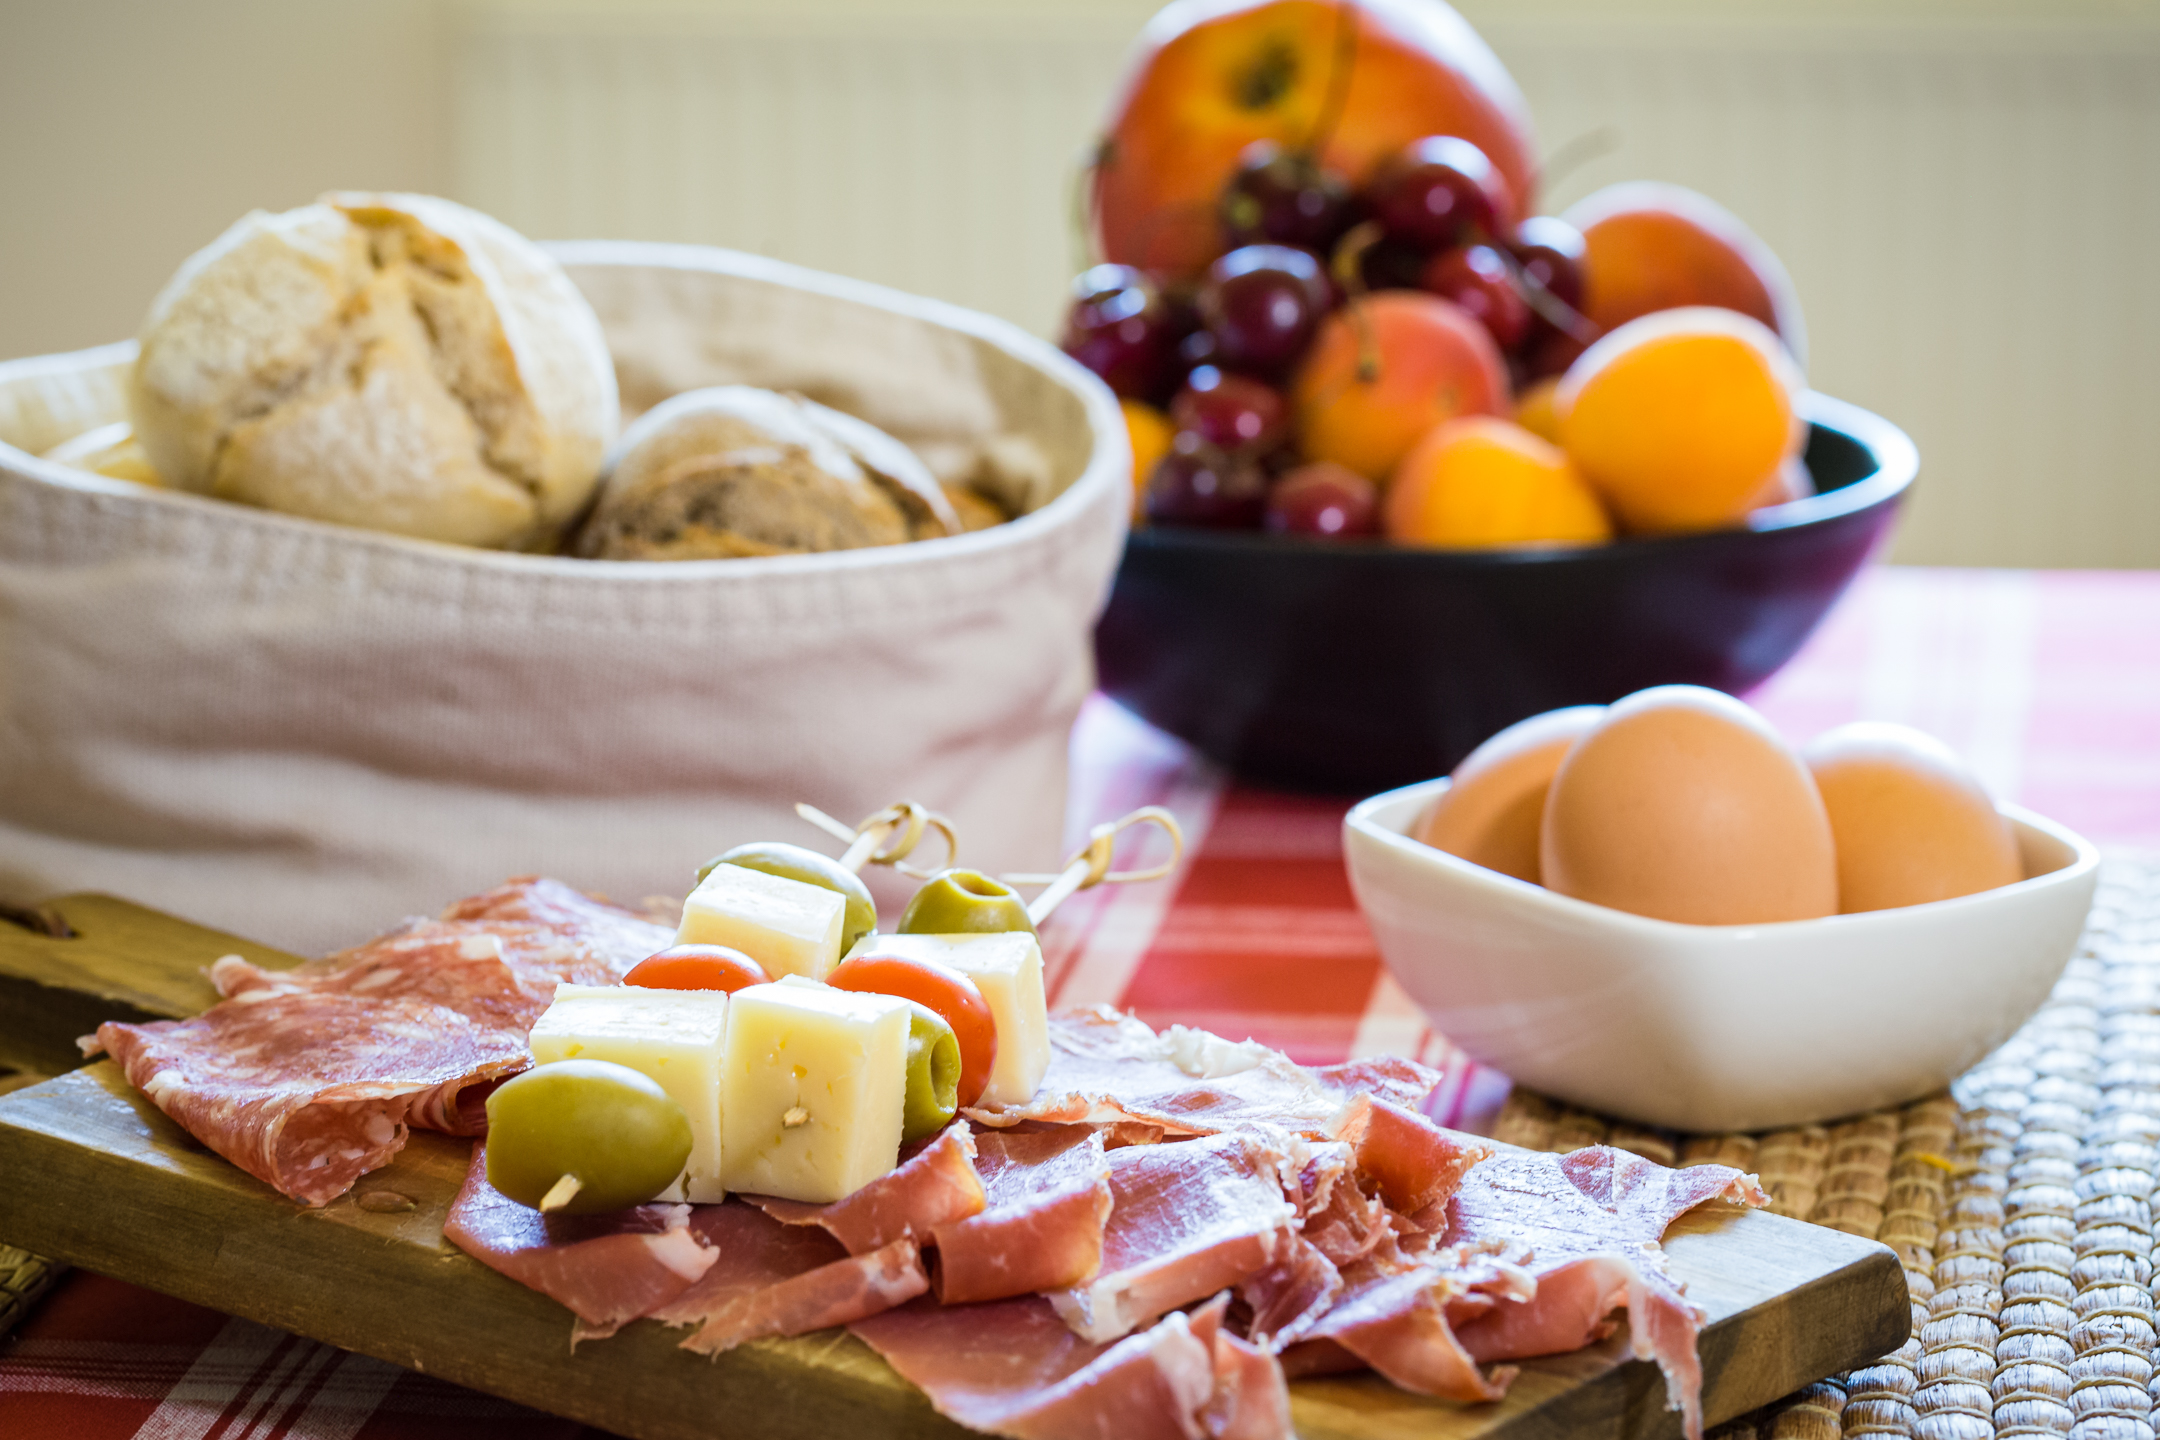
<point>1337,98</point>
<point>1592,144</point>
<point>1081,218</point>
<point>1550,307</point>
<point>1345,264</point>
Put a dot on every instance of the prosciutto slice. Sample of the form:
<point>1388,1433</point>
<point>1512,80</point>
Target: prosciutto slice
<point>1186,1220</point>
<point>771,1278</point>
<point>935,1187</point>
<point>1047,1198</point>
<point>607,1269</point>
<point>1414,1163</point>
<point>1107,1068</point>
<point>1591,1221</point>
<point>309,1091</point>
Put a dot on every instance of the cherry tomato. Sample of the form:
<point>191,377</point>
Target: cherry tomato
<point>697,967</point>
<point>944,990</point>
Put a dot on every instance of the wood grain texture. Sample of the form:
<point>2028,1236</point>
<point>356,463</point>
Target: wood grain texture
<point>125,962</point>
<point>92,1174</point>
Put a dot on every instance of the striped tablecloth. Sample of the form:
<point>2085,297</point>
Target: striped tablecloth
<point>2048,682</point>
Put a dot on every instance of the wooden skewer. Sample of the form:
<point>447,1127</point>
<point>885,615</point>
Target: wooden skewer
<point>1090,866</point>
<point>561,1193</point>
<point>911,822</point>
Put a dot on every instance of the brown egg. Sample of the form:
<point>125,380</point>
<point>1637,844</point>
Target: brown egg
<point>1912,822</point>
<point>1489,814</point>
<point>1683,804</point>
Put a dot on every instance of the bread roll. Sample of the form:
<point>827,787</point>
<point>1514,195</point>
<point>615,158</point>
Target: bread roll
<point>734,471</point>
<point>395,362</point>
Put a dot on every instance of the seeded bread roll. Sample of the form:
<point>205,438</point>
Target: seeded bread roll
<point>734,471</point>
<point>395,362</point>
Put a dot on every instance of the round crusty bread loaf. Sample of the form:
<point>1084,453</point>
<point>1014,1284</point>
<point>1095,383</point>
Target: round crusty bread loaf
<point>734,470</point>
<point>396,362</point>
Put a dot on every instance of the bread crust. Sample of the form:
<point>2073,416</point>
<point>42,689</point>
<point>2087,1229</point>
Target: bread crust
<point>396,362</point>
<point>734,471</point>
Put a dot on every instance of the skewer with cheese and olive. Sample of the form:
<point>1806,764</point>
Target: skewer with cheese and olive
<point>793,1072</point>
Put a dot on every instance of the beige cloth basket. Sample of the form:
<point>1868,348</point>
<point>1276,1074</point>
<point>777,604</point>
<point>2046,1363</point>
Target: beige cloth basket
<point>302,733</point>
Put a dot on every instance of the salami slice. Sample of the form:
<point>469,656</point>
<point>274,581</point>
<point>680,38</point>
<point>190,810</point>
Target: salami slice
<point>307,1090</point>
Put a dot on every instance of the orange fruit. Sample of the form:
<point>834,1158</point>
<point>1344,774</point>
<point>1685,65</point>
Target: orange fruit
<point>1479,483</point>
<point>1681,418</point>
<point>1384,370</point>
<point>1534,409</point>
<point>1149,432</point>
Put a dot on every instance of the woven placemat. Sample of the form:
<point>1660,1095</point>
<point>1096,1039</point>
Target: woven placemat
<point>2021,1204</point>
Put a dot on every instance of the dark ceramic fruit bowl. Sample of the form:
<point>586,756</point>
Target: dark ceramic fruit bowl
<point>1362,666</point>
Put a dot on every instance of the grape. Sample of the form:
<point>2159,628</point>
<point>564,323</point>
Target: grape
<point>1476,277</point>
<point>1326,500</point>
<point>1230,411</point>
<point>1121,328</point>
<point>1261,304</point>
<point>1203,485</point>
<point>1285,197</point>
<point>1440,191</point>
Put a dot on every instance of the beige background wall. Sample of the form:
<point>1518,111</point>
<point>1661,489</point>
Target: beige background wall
<point>1964,192</point>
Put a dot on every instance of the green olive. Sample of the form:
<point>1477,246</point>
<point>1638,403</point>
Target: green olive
<point>964,902</point>
<point>611,1130</point>
<point>933,1074</point>
<point>792,862</point>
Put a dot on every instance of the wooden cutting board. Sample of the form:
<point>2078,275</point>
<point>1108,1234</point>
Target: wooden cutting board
<point>92,1174</point>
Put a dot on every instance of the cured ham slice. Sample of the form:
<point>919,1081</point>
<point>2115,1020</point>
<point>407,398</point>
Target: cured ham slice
<point>1012,1368</point>
<point>936,1186</point>
<point>309,1091</point>
<point>1107,1068</point>
<point>1186,1220</point>
<point>1394,1316</point>
<point>770,1278</point>
<point>1414,1163</point>
<point>1384,1077</point>
<point>1591,1221</point>
<point>1047,1198</point>
<point>607,1269</point>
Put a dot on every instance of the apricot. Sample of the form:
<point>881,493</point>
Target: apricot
<point>1649,246</point>
<point>1681,419</point>
<point>1383,371</point>
<point>1207,80</point>
<point>1479,483</point>
<point>1149,432</point>
<point>1534,409</point>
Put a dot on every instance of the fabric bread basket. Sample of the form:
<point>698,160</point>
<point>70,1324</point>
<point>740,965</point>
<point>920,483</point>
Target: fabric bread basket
<point>302,732</point>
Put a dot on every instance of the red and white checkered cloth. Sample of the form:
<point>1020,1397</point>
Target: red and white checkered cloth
<point>2048,682</point>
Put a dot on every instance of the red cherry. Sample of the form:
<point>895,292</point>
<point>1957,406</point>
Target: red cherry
<point>1284,196</point>
<point>1231,411</point>
<point>1440,191</point>
<point>1203,485</point>
<point>1550,252</point>
<point>1476,277</point>
<point>1325,500</point>
<point>1261,304</point>
<point>1120,328</point>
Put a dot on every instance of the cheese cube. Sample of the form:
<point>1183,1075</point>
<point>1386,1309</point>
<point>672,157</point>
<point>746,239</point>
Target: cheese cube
<point>789,927</point>
<point>673,1037</point>
<point>811,1089</point>
<point>1007,968</point>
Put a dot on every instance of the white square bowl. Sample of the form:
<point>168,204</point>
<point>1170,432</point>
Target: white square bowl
<point>1714,1027</point>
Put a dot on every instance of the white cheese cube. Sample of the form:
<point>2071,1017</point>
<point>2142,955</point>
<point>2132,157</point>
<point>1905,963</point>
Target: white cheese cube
<point>1007,968</point>
<point>673,1037</point>
<point>789,927</point>
<point>811,1089</point>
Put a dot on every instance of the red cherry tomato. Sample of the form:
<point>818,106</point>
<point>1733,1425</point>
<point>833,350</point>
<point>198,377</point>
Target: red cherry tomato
<point>944,990</point>
<point>697,967</point>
